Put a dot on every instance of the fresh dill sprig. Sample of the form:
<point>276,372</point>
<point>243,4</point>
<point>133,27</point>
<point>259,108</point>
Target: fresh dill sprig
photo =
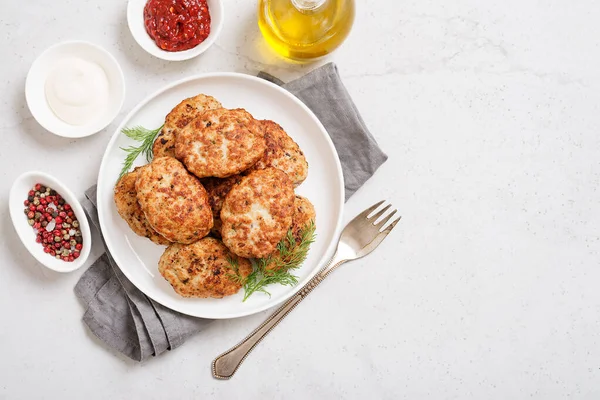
<point>235,275</point>
<point>291,253</point>
<point>261,278</point>
<point>139,134</point>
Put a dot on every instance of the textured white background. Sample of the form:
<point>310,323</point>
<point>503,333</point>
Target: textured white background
<point>489,111</point>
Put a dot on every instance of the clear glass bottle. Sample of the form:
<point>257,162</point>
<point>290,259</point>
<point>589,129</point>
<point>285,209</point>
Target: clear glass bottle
<point>305,29</point>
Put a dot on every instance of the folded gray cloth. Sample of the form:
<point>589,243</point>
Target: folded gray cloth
<point>135,325</point>
<point>121,315</point>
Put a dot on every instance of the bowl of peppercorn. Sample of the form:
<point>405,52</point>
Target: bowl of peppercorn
<point>50,221</point>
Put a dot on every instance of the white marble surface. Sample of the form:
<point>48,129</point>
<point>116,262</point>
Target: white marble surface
<point>487,289</point>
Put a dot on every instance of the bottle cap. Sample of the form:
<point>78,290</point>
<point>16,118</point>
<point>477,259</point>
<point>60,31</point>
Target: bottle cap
<point>307,4</point>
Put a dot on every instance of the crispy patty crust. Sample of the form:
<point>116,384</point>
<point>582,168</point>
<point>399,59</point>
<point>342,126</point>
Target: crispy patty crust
<point>257,213</point>
<point>283,153</point>
<point>217,189</point>
<point>128,208</point>
<point>304,214</point>
<point>220,143</point>
<point>203,269</point>
<point>178,118</point>
<point>174,201</point>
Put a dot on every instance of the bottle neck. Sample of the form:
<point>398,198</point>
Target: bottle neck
<point>307,5</point>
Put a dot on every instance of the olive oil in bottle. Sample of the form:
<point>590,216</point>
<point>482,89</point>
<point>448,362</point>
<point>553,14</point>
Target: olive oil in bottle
<point>305,29</point>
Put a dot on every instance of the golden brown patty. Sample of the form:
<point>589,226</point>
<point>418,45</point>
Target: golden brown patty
<point>173,200</point>
<point>202,269</point>
<point>217,189</point>
<point>283,153</point>
<point>129,209</point>
<point>257,213</point>
<point>304,214</point>
<point>178,118</point>
<point>220,143</point>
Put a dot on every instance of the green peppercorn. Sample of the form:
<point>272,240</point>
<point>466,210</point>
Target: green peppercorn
<point>75,223</point>
<point>72,242</point>
<point>57,239</point>
<point>66,236</point>
<point>44,223</point>
<point>30,222</point>
<point>57,257</point>
<point>36,201</point>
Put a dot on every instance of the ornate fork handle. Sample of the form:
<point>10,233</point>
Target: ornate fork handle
<point>225,365</point>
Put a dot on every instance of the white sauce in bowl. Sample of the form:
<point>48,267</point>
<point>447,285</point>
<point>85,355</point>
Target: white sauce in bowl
<point>77,91</point>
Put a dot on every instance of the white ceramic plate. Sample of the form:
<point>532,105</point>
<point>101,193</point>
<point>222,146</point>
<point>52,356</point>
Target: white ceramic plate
<point>135,20</point>
<point>18,194</point>
<point>43,65</point>
<point>138,257</point>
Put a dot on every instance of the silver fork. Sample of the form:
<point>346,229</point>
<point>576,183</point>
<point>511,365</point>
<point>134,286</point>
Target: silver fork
<point>360,237</point>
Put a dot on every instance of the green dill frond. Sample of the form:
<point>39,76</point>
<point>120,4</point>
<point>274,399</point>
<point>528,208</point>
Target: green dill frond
<point>260,278</point>
<point>235,275</point>
<point>275,269</point>
<point>139,134</point>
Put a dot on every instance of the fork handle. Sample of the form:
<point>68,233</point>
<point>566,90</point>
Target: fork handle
<point>225,365</point>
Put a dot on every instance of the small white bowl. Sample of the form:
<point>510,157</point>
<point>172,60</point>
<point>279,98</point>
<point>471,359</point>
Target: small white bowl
<point>18,194</point>
<point>36,80</point>
<point>135,19</point>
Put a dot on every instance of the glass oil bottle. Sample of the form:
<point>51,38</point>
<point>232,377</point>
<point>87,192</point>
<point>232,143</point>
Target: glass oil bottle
<point>304,30</point>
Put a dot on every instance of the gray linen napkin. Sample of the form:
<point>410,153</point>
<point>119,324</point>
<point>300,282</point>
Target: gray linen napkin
<point>127,320</point>
<point>120,314</point>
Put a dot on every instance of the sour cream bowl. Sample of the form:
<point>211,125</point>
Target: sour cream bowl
<point>44,70</point>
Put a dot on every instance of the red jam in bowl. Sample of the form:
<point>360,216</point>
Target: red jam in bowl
<point>177,25</point>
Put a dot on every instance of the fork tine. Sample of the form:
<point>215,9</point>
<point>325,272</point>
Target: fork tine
<point>380,213</point>
<point>392,225</point>
<point>369,210</point>
<point>384,221</point>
